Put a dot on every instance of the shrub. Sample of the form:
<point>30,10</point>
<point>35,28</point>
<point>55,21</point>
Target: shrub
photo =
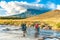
<point>58,25</point>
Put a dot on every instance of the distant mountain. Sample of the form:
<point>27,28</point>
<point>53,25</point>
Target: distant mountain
<point>31,12</point>
<point>27,14</point>
<point>51,15</point>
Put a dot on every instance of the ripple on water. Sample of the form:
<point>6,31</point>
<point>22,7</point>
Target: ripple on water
<point>12,33</point>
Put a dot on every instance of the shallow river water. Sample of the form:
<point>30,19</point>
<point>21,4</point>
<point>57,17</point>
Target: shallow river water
<point>15,33</point>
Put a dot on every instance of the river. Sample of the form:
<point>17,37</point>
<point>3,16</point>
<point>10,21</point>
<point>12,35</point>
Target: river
<point>8,32</point>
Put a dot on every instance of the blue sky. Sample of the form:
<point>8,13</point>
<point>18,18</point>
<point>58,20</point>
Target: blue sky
<point>41,1</point>
<point>9,7</point>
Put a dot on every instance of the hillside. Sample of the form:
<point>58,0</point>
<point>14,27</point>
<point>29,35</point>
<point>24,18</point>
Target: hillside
<point>48,15</point>
<point>52,18</point>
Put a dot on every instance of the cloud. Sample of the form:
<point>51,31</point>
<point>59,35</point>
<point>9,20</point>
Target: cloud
<point>37,1</point>
<point>12,8</point>
<point>58,7</point>
<point>51,5</point>
<point>30,5</point>
<point>15,7</point>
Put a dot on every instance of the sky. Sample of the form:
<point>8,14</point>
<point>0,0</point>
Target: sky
<point>39,1</point>
<point>11,7</point>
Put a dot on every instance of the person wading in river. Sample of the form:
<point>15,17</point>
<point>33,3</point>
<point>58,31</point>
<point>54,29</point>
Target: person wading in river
<point>37,29</point>
<point>24,27</point>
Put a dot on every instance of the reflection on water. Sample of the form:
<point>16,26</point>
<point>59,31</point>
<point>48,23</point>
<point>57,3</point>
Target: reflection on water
<point>12,32</point>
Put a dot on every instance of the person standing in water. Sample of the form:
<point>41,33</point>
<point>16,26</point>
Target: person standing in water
<point>24,27</point>
<point>47,27</point>
<point>37,29</point>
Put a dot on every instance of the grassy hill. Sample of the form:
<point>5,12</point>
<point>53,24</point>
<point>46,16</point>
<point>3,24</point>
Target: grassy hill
<point>47,15</point>
<point>52,18</point>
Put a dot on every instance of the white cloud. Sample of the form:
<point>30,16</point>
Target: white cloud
<point>12,8</point>
<point>30,5</point>
<point>15,7</point>
<point>51,5</point>
<point>58,7</point>
<point>37,1</point>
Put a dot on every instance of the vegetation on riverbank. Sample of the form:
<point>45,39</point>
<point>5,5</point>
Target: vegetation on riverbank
<point>29,22</point>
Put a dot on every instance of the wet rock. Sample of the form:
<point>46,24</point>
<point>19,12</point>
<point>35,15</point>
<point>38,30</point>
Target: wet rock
<point>7,29</point>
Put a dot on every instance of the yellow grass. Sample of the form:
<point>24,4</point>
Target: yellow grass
<point>28,22</point>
